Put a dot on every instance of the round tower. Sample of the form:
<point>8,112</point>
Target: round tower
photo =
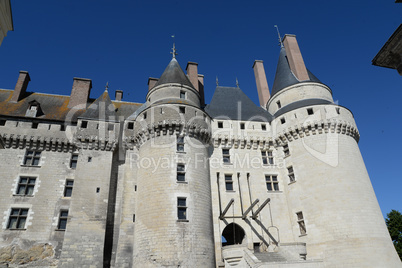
<point>173,219</point>
<point>332,205</point>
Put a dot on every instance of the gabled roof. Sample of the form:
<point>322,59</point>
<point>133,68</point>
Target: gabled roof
<point>174,74</point>
<point>284,76</point>
<point>232,103</point>
<point>101,109</point>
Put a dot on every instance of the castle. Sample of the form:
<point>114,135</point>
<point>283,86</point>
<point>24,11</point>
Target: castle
<point>172,182</point>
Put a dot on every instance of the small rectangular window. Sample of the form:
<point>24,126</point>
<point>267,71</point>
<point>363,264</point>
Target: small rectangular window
<point>220,124</point>
<point>181,208</point>
<point>286,150</point>
<point>2,122</point>
<point>63,220</point>
<point>35,125</point>
<point>283,121</point>
<point>26,186</point>
<point>18,217</point>
<point>263,127</point>
<point>181,173</point>
<point>338,110</point>
<point>182,95</point>
<point>145,115</point>
<point>272,182</point>
<point>226,156</point>
<point>278,103</point>
<point>242,126</point>
<point>32,158</point>
<point>110,127</point>
<point>182,109</point>
<point>300,221</point>
<point>310,111</point>
<point>68,188</point>
<point>130,125</point>
<point>180,144</point>
<point>291,174</point>
<point>228,182</point>
<point>74,161</point>
<point>84,124</point>
<point>267,157</point>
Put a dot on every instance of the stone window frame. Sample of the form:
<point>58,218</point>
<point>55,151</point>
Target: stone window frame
<point>68,188</point>
<point>278,104</point>
<point>226,155</point>
<point>267,157</point>
<point>182,208</point>
<point>130,125</point>
<point>229,182</point>
<point>291,174</point>
<point>286,150</point>
<point>74,160</point>
<point>63,218</point>
<point>310,111</point>
<point>19,216</point>
<point>182,109</point>
<point>242,126</point>
<point>28,187</point>
<point>220,124</point>
<point>264,127</point>
<point>301,223</point>
<point>272,182</point>
<point>182,94</point>
<point>32,158</point>
<point>180,144</point>
<point>181,173</point>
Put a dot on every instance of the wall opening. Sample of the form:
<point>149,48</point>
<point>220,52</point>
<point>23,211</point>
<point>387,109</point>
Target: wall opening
<point>233,234</point>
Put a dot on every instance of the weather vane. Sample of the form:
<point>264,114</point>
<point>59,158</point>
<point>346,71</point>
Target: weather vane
<point>107,86</point>
<point>173,49</point>
<point>279,36</point>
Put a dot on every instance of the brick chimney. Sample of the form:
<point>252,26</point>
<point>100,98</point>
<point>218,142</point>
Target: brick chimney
<point>192,73</point>
<point>119,95</point>
<point>80,93</point>
<point>295,58</point>
<point>21,86</point>
<point>261,81</point>
<point>151,82</point>
<point>201,89</point>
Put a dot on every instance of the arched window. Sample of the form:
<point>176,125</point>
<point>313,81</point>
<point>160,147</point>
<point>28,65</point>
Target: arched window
<point>233,234</point>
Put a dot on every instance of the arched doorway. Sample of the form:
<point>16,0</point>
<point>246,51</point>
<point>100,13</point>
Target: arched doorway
<point>233,234</point>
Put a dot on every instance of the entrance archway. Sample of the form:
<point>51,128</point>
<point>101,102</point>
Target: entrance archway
<point>233,234</point>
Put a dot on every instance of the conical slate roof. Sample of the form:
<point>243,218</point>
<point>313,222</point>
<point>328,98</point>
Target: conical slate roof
<point>101,109</point>
<point>232,103</point>
<point>284,76</point>
<point>174,74</point>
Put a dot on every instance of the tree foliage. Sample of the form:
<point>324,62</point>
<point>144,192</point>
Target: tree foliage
<point>394,224</point>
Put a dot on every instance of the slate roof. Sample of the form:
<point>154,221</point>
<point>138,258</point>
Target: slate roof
<point>301,103</point>
<point>102,108</point>
<point>284,77</point>
<point>232,103</point>
<point>174,74</point>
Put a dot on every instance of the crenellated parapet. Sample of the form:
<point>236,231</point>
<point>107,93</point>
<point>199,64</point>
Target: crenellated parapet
<point>242,142</point>
<point>167,127</point>
<point>88,142</point>
<point>37,142</point>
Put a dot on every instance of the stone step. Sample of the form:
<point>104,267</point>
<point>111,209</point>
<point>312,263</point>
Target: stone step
<point>270,257</point>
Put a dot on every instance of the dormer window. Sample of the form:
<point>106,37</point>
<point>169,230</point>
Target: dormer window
<point>34,109</point>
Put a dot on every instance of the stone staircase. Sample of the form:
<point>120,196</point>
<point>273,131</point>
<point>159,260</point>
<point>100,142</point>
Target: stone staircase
<point>270,257</point>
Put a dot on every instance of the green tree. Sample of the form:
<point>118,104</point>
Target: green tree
<point>394,224</point>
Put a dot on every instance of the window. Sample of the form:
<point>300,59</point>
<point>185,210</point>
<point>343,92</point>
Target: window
<point>145,115</point>
<point>226,155</point>
<point>68,188</point>
<point>220,124</point>
<point>279,104</point>
<point>338,110</point>
<point>32,158</point>
<point>228,182</point>
<point>263,127</point>
<point>130,125</point>
<point>181,208</point>
<point>291,174</point>
<point>110,127</point>
<point>84,124</point>
<point>182,95</point>
<point>286,150</point>
<point>267,157</point>
<point>310,111</point>
<point>18,217</point>
<point>26,186</point>
<point>34,125</point>
<point>300,221</point>
<point>241,125</point>
<point>182,109</point>
<point>181,173</point>
<point>180,144</point>
<point>63,220</point>
<point>283,121</point>
<point>272,182</point>
<point>2,122</point>
<point>73,161</point>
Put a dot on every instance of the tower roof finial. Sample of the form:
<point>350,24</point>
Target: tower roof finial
<point>173,49</point>
<point>107,86</point>
<point>217,82</point>
<point>237,83</point>
<point>279,36</point>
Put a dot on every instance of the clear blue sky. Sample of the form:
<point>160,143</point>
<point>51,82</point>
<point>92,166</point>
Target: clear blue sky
<point>125,42</point>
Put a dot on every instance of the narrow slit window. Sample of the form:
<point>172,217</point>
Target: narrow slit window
<point>226,156</point>
<point>63,220</point>
<point>73,161</point>
<point>181,173</point>
<point>68,188</point>
<point>181,208</point>
<point>228,182</point>
<point>278,103</point>
<point>145,115</point>
<point>338,110</point>
<point>291,174</point>
<point>180,144</point>
<point>300,222</point>
<point>286,150</point>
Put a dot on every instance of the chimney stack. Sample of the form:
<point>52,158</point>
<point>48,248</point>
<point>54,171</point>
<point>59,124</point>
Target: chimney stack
<point>192,73</point>
<point>295,58</point>
<point>151,82</point>
<point>119,95</point>
<point>80,93</point>
<point>261,81</point>
<point>201,89</point>
<point>21,86</point>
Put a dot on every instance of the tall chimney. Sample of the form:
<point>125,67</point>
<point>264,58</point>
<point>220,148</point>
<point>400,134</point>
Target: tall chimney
<point>295,58</point>
<point>151,82</point>
<point>192,72</point>
<point>201,89</point>
<point>21,86</point>
<point>119,95</point>
<point>80,93</point>
<point>261,81</point>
